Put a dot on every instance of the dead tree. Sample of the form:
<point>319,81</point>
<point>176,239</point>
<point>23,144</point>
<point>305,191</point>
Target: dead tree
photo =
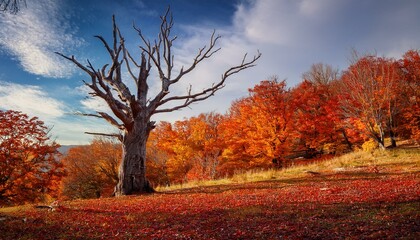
<point>133,110</point>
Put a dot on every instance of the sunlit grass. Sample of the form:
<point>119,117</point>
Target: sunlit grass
<point>14,209</point>
<point>405,160</point>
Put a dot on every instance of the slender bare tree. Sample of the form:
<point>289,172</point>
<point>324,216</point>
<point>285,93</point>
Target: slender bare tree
<point>321,74</point>
<point>133,110</point>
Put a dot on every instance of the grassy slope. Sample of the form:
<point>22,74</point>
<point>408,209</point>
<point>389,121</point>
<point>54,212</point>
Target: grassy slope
<point>402,160</point>
<point>360,195</point>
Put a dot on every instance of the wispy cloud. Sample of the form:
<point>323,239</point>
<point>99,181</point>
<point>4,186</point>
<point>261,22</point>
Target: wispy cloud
<point>35,34</point>
<point>67,128</point>
<point>31,100</point>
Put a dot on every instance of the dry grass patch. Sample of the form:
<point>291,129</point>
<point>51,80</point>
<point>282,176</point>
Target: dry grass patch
<point>397,160</point>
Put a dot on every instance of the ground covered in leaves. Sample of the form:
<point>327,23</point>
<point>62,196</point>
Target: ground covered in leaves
<point>331,208</point>
<point>342,205</point>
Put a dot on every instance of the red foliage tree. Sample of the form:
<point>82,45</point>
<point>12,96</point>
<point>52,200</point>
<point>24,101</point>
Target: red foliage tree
<point>410,66</point>
<point>320,126</point>
<point>315,117</point>
<point>29,169</point>
<point>370,97</point>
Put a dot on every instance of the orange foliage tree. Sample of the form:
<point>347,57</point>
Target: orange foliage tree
<point>177,144</point>
<point>92,169</point>
<point>207,143</point>
<point>258,129</point>
<point>157,155</point>
<point>29,169</point>
<point>186,150</point>
<point>235,156</point>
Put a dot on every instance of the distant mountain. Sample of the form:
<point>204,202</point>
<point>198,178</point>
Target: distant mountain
<point>64,149</point>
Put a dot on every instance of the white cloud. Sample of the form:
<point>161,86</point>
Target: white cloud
<point>91,104</point>
<point>35,34</point>
<point>266,22</point>
<point>67,128</point>
<point>286,23</point>
<point>70,130</point>
<point>95,104</point>
<point>31,100</point>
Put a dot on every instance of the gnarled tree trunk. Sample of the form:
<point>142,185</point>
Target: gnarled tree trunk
<point>132,172</point>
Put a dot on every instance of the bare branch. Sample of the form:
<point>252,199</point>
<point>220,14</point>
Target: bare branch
<point>128,59</point>
<point>111,53</point>
<point>151,51</point>
<point>201,55</point>
<point>72,59</point>
<point>117,108</point>
<point>120,110</point>
<point>105,116</point>
<point>119,136</point>
<point>114,34</point>
<point>206,93</point>
<point>165,29</point>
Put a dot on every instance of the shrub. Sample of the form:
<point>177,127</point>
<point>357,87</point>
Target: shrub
<point>369,145</point>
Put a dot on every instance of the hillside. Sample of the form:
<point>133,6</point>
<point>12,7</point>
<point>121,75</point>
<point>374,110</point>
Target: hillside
<point>361,195</point>
<point>65,148</point>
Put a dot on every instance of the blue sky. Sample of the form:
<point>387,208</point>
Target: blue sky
<point>291,34</point>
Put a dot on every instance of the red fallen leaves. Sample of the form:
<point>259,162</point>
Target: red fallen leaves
<point>306,208</point>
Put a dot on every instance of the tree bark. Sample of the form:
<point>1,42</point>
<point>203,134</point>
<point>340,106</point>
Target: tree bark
<point>393,138</point>
<point>391,127</point>
<point>132,171</point>
<point>346,139</point>
<point>380,140</point>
